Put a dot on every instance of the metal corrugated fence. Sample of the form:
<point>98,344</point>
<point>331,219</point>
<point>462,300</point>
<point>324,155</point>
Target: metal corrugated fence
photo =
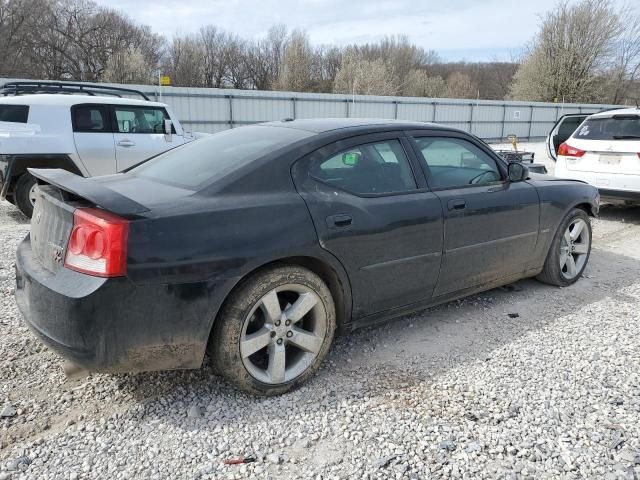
<point>211,110</point>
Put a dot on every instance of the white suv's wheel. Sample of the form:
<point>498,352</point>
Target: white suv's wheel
<point>25,193</point>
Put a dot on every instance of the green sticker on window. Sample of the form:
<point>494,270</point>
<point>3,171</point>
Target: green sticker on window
<point>350,159</point>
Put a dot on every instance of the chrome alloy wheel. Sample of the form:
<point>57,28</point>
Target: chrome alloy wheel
<point>574,248</point>
<point>283,334</point>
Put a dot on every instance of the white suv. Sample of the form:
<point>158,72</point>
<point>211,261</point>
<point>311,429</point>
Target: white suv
<point>605,152</point>
<point>88,133</point>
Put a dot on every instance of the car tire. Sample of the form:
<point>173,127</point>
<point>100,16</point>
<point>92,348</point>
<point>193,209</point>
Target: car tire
<point>23,193</point>
<point>570,250</point>
<point>272,314</point>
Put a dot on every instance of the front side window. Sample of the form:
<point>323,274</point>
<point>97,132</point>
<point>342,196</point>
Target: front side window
<point>617,127</point>
<point>373,168</point>
<point>14,113</point>
<point>90,118</point>
<point>140,119</point>
<point>454,162</point>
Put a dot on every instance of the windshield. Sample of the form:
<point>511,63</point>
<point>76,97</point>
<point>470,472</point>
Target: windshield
<point>618,127</point>
<point>212,157</point>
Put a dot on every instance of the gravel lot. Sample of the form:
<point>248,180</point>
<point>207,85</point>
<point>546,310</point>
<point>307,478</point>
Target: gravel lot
<point>459,391</point>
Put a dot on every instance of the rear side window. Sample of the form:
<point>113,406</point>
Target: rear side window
<point>213,157</point>
<point>140,119</point>
<point>617,127</point>
<point>90,118</point>
<point>372,168</point>
<point>568,126</point>
<point>14,113</point>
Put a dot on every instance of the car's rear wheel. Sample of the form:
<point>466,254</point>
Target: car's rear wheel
<point>25,193</point>
<point>274,330</point>
<point>570,250</point>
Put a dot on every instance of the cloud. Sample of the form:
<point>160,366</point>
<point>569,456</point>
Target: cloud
<point>471,26</point>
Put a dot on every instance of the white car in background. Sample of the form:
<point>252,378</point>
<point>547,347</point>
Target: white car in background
<point>605,152</point>
<point>86,129</point>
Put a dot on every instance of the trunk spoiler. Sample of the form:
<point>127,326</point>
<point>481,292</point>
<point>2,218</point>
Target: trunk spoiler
<point>91,190</point>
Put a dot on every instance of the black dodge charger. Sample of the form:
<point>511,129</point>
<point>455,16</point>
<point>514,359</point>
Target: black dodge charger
<point>257,244</point>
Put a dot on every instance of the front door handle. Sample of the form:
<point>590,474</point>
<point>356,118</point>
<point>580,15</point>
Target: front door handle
<point>457,204</point>
<point>126,143</point>
<point>341,220</point>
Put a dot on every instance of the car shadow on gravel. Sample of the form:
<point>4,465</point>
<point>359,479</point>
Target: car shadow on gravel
<point>380,360</point>
<point>14,214</point>
<point>620,213</point>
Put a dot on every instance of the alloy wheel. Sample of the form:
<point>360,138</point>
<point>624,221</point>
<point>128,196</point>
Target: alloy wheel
<point>574,248</point>
<point>283,334</point>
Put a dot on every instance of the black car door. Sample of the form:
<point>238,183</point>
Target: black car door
<point>376,216</point>
<point>490,224</point>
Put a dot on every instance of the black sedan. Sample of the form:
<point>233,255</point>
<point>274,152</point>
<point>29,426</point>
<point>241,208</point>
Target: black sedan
<point>257,244</point>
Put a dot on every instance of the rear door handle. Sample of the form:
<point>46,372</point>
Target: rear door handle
<point>341,220</point>
<point>457,204</point>
<point>126,143</point>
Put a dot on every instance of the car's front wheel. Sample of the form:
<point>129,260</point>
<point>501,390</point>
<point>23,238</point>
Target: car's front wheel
<point>570,250</point>
<point>274,330</point>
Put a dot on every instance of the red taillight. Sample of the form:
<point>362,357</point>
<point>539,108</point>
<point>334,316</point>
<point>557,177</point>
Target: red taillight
<point>569,151</point>
<point>98,243</point>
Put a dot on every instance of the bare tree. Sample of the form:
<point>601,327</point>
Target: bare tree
<point>364,77</point>
<point>459,85</point>
<point>420,84</point>
<point>129,66</point>
<point>295,69</point>
<point>214,48</point>
<point>185,65</point>
<point>624,71</point>
<point>237,67</point>
<point>568,53</point>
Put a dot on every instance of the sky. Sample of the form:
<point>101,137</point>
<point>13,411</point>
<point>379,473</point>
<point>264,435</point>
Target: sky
<point>471,30</point>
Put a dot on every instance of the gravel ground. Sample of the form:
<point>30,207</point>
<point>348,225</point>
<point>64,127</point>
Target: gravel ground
<point>460,391</point>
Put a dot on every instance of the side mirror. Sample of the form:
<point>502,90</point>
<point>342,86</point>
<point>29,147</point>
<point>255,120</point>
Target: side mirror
<point>517,172</point>
<point>351,159</point>
<point>167,130</point>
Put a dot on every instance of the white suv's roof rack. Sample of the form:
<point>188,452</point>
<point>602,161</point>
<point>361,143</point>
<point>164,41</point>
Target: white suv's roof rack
<point>68,88</point>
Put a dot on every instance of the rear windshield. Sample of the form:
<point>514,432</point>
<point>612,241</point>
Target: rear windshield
<point>202,161</point>
<point>14,113</point>
<point>618,127</point>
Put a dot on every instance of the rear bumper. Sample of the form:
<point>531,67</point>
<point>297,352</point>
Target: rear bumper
<point>110,325</point>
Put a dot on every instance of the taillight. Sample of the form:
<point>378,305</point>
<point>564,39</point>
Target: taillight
<point>569,151</point>
<point>98,243</point>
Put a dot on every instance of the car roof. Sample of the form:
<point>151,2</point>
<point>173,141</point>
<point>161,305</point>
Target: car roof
<point>619,111</point>
<point>69,100</point>
<point>321,125</point>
